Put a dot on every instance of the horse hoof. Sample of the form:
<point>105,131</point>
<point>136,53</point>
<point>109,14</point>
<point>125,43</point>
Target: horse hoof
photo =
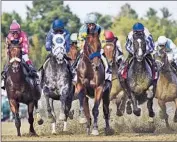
<point>71,114</point>
<point>151,114</point>
<point>119,113</point>
<point>108,131</point>
<point>82,120</point>
<point>129,111</point>
<point>40,122</point>
<point>137,112</point>
<point>62,116</point>
<point>33,134</point>
<point>19,135</point>
<point>95,132</point>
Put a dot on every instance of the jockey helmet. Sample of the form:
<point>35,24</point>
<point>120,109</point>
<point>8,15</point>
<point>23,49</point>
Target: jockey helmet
<point>162,40</point>
<point>138,27</point>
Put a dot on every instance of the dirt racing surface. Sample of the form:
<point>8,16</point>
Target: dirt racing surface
<point>125,128</point>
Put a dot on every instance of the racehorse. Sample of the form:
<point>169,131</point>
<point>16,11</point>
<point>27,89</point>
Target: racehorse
<point>73,53</point>
<point>116,91</point>
<point>166,85</point>
<point>90,83</point>
<point>57,82</point>
<point>19,90</point>
<point>139,84</point>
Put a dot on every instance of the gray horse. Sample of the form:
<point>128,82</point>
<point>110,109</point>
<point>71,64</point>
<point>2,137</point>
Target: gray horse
<point>57,82</point>
<point>139,82</point>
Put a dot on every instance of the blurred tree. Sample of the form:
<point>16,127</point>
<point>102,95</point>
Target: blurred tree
<point>127,11</point>
<point>165,12</point>
<point>42,13</point>
<point>151,13</point>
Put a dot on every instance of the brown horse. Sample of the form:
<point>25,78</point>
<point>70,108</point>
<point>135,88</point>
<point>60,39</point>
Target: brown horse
<point>166,90</point>
<point>116,91</point>
<point>18,90</point>
<point>73,53</point>
<point>90,82</point>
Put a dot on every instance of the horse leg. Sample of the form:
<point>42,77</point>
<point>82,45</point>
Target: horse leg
<point>87,114</point>
<point>106,112</point>
<point>14,106</point>
<point>67,111</point>
<point>49,109</point>
<point>38,116</point>
<point>129,108</point>
<point>31,119</point>
<point>81,96</point>
<point>150,96</point>
<point>163,114</point>
<point>95,111</point>
<point>121,105</point>
<point>53,122</point>
<point>175,116</point>
<point>136,110</point>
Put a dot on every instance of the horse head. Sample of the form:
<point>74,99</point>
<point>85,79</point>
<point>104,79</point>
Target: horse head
<point>161,57</point>
<point>139,45</point>
<point>58,49</point>
<point>15,56</point>
<point>92,49</point>
<point>73,53</point>
<point>109,51</point>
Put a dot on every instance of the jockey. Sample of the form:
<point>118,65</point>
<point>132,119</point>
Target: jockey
<point>17,36</point>
<point>109,37</point>
<point>58,28</point>
<point>170,48</point>
<point>91,26</point>
<point>139,29</point>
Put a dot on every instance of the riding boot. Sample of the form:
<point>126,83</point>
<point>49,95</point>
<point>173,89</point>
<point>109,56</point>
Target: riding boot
<point>108,73</point>
<point>3,76</point>
<point>123,67</point>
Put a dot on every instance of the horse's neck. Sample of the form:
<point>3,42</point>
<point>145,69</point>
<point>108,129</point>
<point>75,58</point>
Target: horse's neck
<point>17,77</point>
<point>138,66</point>
<point>169,73</point>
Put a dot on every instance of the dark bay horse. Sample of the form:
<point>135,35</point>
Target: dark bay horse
<point>90,83</point>
<point>18,90</point>
<point>166,85</point>
<point>117,91</point>
<point>57,83</point>
<point>139,83</point>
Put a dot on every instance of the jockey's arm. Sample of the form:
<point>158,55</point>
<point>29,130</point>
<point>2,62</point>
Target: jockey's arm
<point>25,43</point>
<point>129,45</point>
<point>48,43</point>
<point>149,44</point>
<point>119,54</point>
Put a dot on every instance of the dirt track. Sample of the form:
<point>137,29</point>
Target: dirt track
<point>128,127</point>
